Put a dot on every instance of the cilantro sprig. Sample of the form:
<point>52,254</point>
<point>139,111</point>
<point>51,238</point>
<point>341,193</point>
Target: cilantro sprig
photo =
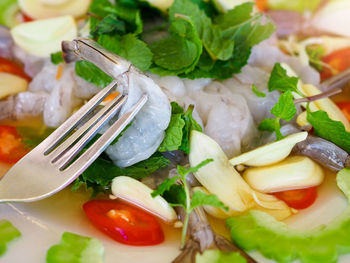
<point>180,194</point>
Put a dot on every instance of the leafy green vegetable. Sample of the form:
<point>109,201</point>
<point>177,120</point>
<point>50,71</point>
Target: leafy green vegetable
<point>130,48</point>
<point>199,199</point>
<point>295,5</point>
<point>100,173</point>
<point>76,249</point>
<point>8,233</point>
<point>33,137</point>
<point>179,194</point>
<point>89,72</point>
<point>258,92</point>
<point>283,109</point>
<point>315,54</point>
<point>57,58</point>
<point>279,80</point>
<point>218,256</point>
<point>8,11</point>
<point>109,25</point>
<point>257,230</point>
<point>329,129</point>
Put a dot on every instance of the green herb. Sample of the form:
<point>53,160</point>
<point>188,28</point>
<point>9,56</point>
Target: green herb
<point>218,256</point>
<point>180,194</point>
<point>100,173</point>
<point>8,233</point>
<point>283,109</point>
<point>279,80</point>
<point>33,137</point>
<point>74,248</point>
<point>315,54</point>
<point>130,48</point>
<point>57,58</point>
<point>329,129</point>
<point>89,72</point>
<point>258,92</point>
<point>109,25</point>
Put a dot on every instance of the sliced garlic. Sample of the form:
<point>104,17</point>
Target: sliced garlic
<point>39,9</point>
<point>11,84</point>
<point>270,153</point>
<point>220,178</point>
<point>52,32</point>
<point>138,194</point>
<point>293,173</point>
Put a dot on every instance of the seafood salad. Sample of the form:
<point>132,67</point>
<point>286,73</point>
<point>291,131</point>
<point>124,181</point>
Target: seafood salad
<point>240,154</point>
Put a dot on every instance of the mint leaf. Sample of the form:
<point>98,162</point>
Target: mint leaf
<point>218,256</point>
<point>190,124</point>
<point>269,125</point>
<point>279,80</point>
<point>164,186</point>
<point>182,171</point>
<point>57,58</point>
<point>315,54</point>
<point>178,53</point>
<point>329,129</point>
<point>285,108</point>
<point>8,233</point>
<point>109,25</point>
<point>173,134</point>
<point>258,92</point>
<point>199,199</point>
<point>130,48</point>
<point>33,137</point>
<point>176,195</point>
<point>101,172</point>
<point>89,72</point>
<point>74,248</point>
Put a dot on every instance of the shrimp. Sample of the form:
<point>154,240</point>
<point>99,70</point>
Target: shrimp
<point>147,130</point>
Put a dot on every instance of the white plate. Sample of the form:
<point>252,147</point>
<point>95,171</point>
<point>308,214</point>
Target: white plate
<point>42,224</point>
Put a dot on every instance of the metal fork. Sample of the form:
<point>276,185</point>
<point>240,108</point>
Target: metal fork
<point>56,162</point>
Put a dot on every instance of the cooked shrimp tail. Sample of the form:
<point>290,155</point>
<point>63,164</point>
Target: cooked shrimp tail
<point>202,237</point>
<point>86,49</point>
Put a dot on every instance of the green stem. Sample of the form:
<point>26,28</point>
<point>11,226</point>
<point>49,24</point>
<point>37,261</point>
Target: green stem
<point>188,211</point>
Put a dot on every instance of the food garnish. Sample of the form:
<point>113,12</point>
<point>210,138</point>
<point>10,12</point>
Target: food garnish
<point>124,223</point>
<point>75,248</point>
<point>8,233</point>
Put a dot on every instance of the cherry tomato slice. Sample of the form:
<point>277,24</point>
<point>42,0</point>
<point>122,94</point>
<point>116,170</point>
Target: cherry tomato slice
<point>124,223</point>
<point>12,148</point>
<point>339,60</point>
<point>299,198</point>
<point>9,66</point>
<point>345,107</point>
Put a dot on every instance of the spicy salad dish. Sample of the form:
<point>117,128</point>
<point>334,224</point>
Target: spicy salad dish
<point>240,153</point>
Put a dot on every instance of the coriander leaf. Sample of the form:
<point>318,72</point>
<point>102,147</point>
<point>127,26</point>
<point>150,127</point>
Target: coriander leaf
<point>129,47</point>
<point>164,186</point>
<point>8,233</point>
<point>101,172</point>
<point>199,199</point>
<point>218,256</point>
<point>74,248</point>
<point>190,124</point>
<point>285,108</point>
<point>279,80</point>
<point>176,195</point>
<point>258,92</point>
<point>89,72</point>
<point>109,25</point>
<point>57,58</point>
<point>173,134</point>
<point>329,129</point>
